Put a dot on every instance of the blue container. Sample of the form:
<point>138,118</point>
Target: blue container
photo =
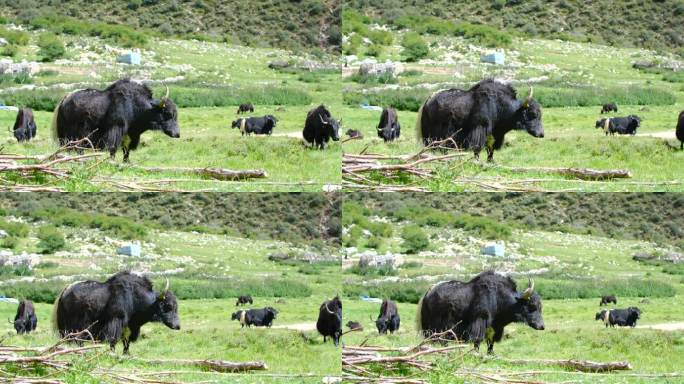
<point>497,58</point>
<point>129,250</point>
<point>129,58</point>
<point>493,250</point>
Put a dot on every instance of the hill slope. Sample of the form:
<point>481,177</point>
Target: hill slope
<point>640,23</point>
<point>285,24</point>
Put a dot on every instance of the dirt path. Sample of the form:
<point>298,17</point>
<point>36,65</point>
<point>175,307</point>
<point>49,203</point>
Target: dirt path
<point>662,135</point>
<point>665,326</point>
<point>297,326</point>
<point>297,135</point>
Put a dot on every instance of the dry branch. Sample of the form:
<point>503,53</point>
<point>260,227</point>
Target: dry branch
<point>577,173</point>
<point>212,365</point>
<point>578,365</point>
<point>210,173</point>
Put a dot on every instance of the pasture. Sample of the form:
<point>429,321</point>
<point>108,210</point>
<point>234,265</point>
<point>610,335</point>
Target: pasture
<point>207,81</point>
<point>206,271</point>
<point>571,269</point>
<point>570,80</point>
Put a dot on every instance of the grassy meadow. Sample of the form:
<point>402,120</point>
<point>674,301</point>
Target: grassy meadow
<point>571,270</point>
<point>207,271</point>
<point>207,80</point>
<point>571,80</point>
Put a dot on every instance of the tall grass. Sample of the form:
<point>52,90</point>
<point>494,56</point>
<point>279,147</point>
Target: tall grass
<point>401,99</point>
<point>583,289</point>
<point>587,96</point>
<point>119,34</point>
<point>183,96</point>
<point>121,227</point>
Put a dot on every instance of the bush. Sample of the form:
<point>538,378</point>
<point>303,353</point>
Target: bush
<point>589,96</point>
<point>584,289</point>
<point>222,289</point>
<point>401,99</point>
<point>415,240</point>
<point>374,242</point>
<point>404,292</point>
<point>483,227</point>
<point>415,48</point>
<point>15,229</point>
<point>10,242</point>
<point>39,292</point>
<point>119,34</point>
<point>14,37</point>
<point>384,78</point>
<point>385,270</point>
<point>51,47</point>
<point>483,35</point>
<point>19,78</point>
<point>51,239</point>
<point>15,270</point>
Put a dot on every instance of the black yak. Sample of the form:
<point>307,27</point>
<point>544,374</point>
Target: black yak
<point>609,107</point>
<point>680,130</point>
<point>329,322</point>
<point>115,117</point>
<point>257,317</point>
<point>479,309</point>
<point>320,127</point>
<point>24,125</point>
<point>605,300</point>
<point>25,320</point>
<point>388,319</point>
<point>620,125</point>
<point>354,325</point>
<point>116,309</point>
<point>244,299</point>
<point>479,117</point>
<point>256,125</point>
<point>389,128</point>
<point>352,133</point>
<point>246,107</point>
<point>620,317</point>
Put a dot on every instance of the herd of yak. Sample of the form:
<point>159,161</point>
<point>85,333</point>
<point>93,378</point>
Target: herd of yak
<point>475,311</point>
<point>474,119</point>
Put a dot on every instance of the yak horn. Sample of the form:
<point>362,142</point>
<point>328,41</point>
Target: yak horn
<point>529,291</point>
<point>167,285</point>
<point>328,309</point>
<point>529,97</point>
<point>321,117</point>
<point>167,91</point>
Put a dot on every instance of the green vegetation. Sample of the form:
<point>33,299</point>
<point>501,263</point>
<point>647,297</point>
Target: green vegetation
<point>415,47</point>
<point>51,239</point>
<point>588,96</point>
<point>132,23</point>
<point>652,24</point>
<point>51,47</point>
<point>415,240</point>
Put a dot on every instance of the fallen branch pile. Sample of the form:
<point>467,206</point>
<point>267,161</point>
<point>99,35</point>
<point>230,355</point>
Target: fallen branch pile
<point>212,365</point>
<point>577,365</point>
<point>210,173</point>
<point>575,173</point>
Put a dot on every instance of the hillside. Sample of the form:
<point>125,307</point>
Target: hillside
<point>247,215</point>
<point>291,25</point>
<point>629,23</point>
<point>641,216</point>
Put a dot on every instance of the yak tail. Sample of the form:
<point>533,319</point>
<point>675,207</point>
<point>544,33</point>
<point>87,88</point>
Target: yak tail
<point>55,324</point>
<point>419,321</point>
<point>419,119</point>
<point>55,115</point>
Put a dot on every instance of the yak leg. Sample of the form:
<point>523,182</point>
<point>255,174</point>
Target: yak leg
<point>130,334</point>
<point>114,139</point>
<point>113,330</point>
<point>129,142</point>
<point>494,143</point>
<point>477,331</point>
<point>493,335</point>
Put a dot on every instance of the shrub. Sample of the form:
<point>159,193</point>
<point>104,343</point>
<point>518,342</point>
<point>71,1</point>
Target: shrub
<point>14,37</point>
<point>404,292</point>
<point>39,292</point>
<point>415,48</point>
<point>51,239</point>
<point>584,289</point>
<point>221,289</point>
<point>384,78</point>
<point>10,242</point>
<point>9,50</point>
<point>483,227</point>
<point>118,34</point>
<point>588,96</point>
<point>15,270</point>
<point>415,240</point>
<point>51,47</point>
<point>483,35</point>
<point>15,229</point>
<point>374,242</point>
<point>385,270</point>
<point>401,99</point>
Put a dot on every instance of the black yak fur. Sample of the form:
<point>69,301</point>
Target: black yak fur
<point>24,125</point>
<point>320,127</point>
<point>115,117</point>
<point>389,128</point>
<point>680,130</point>
<point>388,319</point>
<point>114,310</point>
<point>607,299</point>
<point>25,320</point>
<point>246,107</point>
<point>479,117</point>
<point>610,107</point>
<point>329,322</point>
<point>479,309</point>
<point>244,299</point>
<point>257,317</point>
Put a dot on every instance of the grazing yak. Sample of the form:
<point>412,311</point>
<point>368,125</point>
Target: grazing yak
<point>620,317</point>
<point>609,107</point>
<point>620,125</point>
<point>244,299</point>
<point>257,125</point>
<point>352,133</point>
<point>354,325</point>
<point>388,319</point>
<point>605,300</point>
<point>680,130</point>
<point>329,323</point>
<point>479,117</point>
<point>25,320</point>
<point>389,128</point>
<point>320,127</point>
<point>246,107</point>
<point>115,117</point>
<point>24,126</point>
<point>257,317</point>
<point>479,309</point>
<point>116,309</point>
